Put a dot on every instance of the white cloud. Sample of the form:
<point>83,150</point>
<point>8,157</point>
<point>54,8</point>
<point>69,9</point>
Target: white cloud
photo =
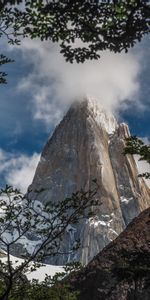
<point>18,170</point>
<point>145,140</point>
<point>54,84</point>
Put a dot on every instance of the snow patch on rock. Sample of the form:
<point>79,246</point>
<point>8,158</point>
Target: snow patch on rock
<point>125,200</point>
<point>38,274</point>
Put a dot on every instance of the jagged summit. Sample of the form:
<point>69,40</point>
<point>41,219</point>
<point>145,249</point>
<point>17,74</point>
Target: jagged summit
<point>88,144</point>
<point>93,108</point>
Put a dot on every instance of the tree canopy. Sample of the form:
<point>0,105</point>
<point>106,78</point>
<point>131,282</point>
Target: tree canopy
<point>82,28</point>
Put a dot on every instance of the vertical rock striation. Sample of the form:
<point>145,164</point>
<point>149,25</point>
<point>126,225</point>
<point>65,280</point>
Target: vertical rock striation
<point>86,145</point>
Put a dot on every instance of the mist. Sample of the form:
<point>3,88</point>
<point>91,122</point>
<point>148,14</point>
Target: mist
<point>54,83</point>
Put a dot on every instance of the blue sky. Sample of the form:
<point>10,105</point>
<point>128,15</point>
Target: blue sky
<point>41,85</point>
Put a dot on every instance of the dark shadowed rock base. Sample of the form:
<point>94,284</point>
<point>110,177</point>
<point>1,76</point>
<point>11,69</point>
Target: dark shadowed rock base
<point>122,270</point>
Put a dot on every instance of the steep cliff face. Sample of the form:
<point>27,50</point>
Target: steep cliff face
<point>121,271</point>
<point>88,144</point>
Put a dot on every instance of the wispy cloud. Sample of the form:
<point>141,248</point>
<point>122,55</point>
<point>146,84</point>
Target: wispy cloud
<point>54,84</point>
<point>18,170</point>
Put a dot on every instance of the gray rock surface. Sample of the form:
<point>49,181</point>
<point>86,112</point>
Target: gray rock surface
<point>86,145</point>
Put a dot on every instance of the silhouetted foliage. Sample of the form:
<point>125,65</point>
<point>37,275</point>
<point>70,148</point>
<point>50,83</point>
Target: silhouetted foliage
<point>82,28</point>
<point>4,60</point>
<point>20,217</point>
<point>136,146</point>
<point>52,288</point>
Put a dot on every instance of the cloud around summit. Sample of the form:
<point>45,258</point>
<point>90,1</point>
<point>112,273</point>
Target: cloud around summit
<point>54,84</point>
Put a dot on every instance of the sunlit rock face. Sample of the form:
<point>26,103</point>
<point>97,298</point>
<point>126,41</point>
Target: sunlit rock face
<point>86,145</point>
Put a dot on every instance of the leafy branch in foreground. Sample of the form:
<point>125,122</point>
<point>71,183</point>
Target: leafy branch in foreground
<point>136,146</point>
<point>98,25</point>
<point>82,28</point>
<point>4,60</point>
<point>21,217</point>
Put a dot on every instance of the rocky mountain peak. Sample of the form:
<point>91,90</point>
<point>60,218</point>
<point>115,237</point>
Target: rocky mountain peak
<point>86,145</point>
<point>92,108</point>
